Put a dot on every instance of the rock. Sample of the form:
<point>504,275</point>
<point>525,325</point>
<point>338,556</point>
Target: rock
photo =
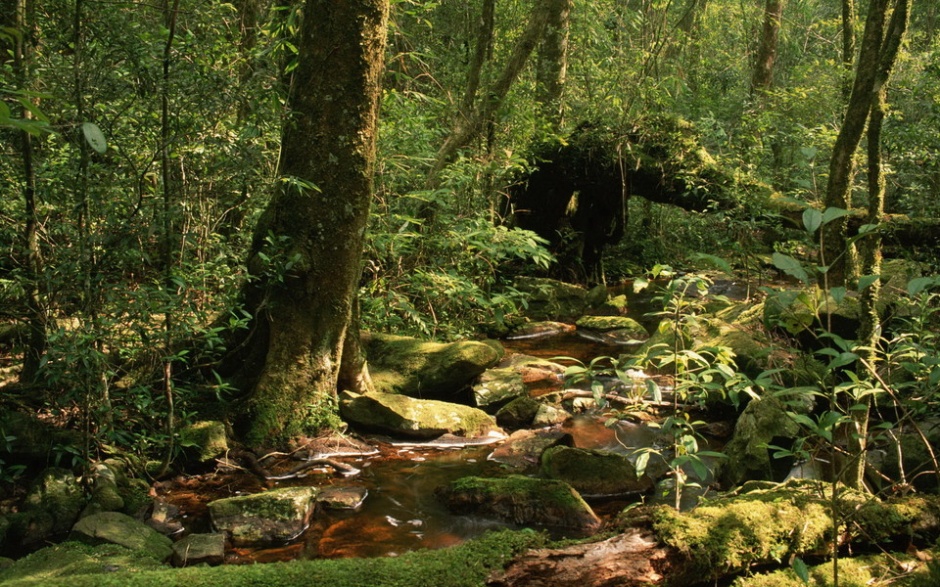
<point>105,496</point>
<point>764,421</point>
<point>204,441</point>
<point>612,330</point>
<point>538,375</point>
<point>413,418</point>
<point>522,500</point>
<point>549,416</point>
<point>57,492</point>
<point>342,498</point>
<point>541,329</point>
<point>519,413</point>
<point>118,528</point>
<point>523,448</point>
<point>268,518</point>
<point>555,300</point>
<point>164,518</point>
<point>27,528</point>
<point>196,549</point>
<point>400,364</point>
<point>497,387</point>
<point>593,472</point>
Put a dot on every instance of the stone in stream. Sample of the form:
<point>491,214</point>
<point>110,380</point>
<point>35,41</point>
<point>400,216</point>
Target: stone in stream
<point>342,498</point>
<point>522,500</point>
<point>400,415</point>
<point>435,370</point>
<point>612,330</point>
<point>523,449</point>
<point>594,472</point>
<point>118,528</point>
<point>268,518</point>
<point>519,413</point>
<point>196,549</point>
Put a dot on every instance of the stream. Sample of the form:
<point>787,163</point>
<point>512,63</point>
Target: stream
<point>401,512</point>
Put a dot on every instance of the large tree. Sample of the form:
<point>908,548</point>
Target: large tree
<point>307,246</point>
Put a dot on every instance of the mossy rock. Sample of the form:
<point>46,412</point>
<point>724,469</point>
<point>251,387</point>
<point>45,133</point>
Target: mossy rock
<point>405,365</point>
<point>548,415</point>
<point>118,528</point>
<point>61,563</point>
<point>549,299</point>
<point>405,416</point>
<point>204,441</point>
<point>496,387</point>
<point>199,549</point>
<point>607,323</point>
<point>267,518</point>
<point>519,413</point>
<point>523,449</point>
<point>764,421</point>
<point>593,472</point>
<point>57,492</point>
<point>522,500</point>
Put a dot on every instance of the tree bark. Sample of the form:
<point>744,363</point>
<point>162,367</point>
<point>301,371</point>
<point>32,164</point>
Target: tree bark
<point>763,75</point>
<point>552,65</point>
<point>848,46</point>
<point>482,52</point>
<point>470,127</point>
<point>307,246</point>
<point>838,254</point>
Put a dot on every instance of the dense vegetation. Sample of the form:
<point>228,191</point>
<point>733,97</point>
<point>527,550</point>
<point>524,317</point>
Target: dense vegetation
<point>140,146</point>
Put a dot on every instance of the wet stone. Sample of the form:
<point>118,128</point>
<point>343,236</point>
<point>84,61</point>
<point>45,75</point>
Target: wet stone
<point>271,517</point>
<point>523,448</point>
<point>196,549</point>
<point>342,498</point>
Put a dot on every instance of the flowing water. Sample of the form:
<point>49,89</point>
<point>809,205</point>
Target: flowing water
<point>401,511</point>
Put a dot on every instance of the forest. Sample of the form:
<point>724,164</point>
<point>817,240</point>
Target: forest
<point>259,214</point>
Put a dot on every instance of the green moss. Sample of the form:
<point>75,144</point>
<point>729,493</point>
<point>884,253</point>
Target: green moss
<point>57,564</point>
<point>467,565</point>
<point>731,533</point>
<point>867,571</point>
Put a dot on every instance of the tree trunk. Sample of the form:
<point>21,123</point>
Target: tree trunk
<point>472,125</point>
<point>36,315</point>
<point>552,66</point>
<point>482,52</point>
<point>307,247</point>
<point>838,255</point>
<point>763,76</point>
<point>869,330</point>
<point>848,46</point>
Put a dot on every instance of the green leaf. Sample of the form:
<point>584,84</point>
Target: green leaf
<point>866,281</point>
<point>95,137</point>
<point>800,569</point>
<point>833,213</point>
<point>919,284</point>
<point>812,220</point>
<point>838,294</point>
<point>714,260</point>
<point>642,460</point>
<point>790,266</point>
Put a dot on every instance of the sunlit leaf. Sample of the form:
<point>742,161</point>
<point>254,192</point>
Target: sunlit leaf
<point>812,220</point>
<point>95,137</point>
<point>790,266</point>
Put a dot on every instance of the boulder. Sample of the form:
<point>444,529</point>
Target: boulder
<point>272,517</point>
<point>522,500</point>
<point>540,329</point>
<point>549,299</point>
<point>105,496</point>
<point>196,549</point>
<point>519,413</point>
<point>523,449</point>
<point>497,387</point>
<point>764,421</point>
<point>549,416</point>
<point>121,529</point>
<point>593,472</point>
<point>612,330</point>
<point>56,492</point>
<point>204,441</point>
<point>405,365</point>
<point>413,418</point>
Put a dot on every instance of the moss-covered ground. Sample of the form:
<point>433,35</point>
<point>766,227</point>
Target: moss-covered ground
<point>462,566</point>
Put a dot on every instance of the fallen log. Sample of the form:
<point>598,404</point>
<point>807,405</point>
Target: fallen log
<point>759,526</point>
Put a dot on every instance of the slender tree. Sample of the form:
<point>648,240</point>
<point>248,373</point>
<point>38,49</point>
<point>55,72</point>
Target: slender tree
<point>308,244</point>
<point>762,77</point>
<point>552,65</point>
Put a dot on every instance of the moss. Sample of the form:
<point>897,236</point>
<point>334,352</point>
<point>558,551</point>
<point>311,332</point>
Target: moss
<point>467,565</point>
<point>592,472</point>
<point>867,571</point>
<point>57,564</point>
<point>729,534</point>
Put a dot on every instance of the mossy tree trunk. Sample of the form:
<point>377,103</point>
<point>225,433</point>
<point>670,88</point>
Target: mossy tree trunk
<point>879,49</point>
<point>762,77</point>
<point>307,246</point>
<point>552,65</point>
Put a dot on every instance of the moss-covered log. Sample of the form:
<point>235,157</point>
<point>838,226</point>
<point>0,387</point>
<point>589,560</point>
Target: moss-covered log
<point>727,536</point>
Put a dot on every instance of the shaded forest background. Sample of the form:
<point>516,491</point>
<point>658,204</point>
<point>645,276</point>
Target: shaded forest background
<point>140,144</point>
